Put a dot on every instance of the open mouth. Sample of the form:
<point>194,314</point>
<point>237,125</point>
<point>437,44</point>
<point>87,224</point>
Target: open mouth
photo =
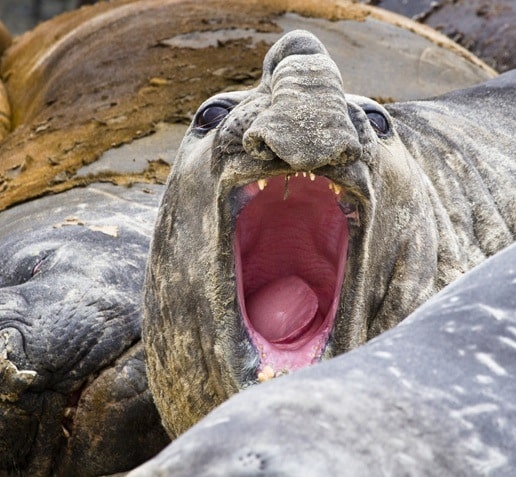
<point>291,244</point>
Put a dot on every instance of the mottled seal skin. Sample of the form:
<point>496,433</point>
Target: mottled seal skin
<point>73,393</point>
<point>433,396</point>
<point>254,271</point>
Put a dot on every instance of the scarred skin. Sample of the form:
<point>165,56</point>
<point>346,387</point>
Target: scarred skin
<point>428,195</point>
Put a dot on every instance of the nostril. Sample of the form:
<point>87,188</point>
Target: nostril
<point>13,380</point>
<point>255,145</point>
<point>261,147</point>
<point>12,344</point>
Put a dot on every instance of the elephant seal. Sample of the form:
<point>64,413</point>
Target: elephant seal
<point>73,393</point>
<point>433,396</point>
<point>76,114</point>
<point>300,222</point>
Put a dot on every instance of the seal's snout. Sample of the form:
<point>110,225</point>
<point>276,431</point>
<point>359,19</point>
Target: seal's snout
<point>297,42</point>
<point>307,123</point>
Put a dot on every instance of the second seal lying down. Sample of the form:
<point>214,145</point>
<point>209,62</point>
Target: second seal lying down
<point>300,221</point>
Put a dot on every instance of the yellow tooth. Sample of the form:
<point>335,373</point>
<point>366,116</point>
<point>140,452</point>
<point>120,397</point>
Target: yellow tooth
<point>296,174</point>
<point>262,377</point>
<point>312,176</point>
<point>262,183</point>
<point>304,174</point>
<point>335,188</point>
<point>266,373</point>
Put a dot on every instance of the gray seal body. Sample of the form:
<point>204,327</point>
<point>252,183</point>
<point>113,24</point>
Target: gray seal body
<point>433,396</point>
<point>73,391</point>
<point>300,222</point>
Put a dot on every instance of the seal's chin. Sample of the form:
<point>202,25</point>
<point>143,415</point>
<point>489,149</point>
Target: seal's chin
<point>291,242</point>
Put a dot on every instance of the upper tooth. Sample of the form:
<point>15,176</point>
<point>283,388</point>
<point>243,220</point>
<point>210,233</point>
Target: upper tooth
<point>262,183</point>
<point>335,188</point>
<point>312,176</point>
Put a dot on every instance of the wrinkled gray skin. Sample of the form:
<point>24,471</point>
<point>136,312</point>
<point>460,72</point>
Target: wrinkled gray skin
<point>436,196</point>
<point>73,394</point>
<point>434,396</point>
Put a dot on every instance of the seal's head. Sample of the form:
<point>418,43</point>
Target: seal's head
<point>73,395</point>
<point>293,228</point>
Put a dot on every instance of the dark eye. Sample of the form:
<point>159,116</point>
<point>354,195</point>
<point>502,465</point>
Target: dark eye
<point>379,122</point>
<point>211,116</point>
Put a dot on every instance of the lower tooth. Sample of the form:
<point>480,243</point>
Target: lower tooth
<point>266,373</point>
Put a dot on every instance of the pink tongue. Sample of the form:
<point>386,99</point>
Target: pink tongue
<point>282,309</point>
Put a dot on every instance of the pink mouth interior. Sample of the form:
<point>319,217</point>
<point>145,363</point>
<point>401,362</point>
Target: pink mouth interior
<point>290,256</point>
